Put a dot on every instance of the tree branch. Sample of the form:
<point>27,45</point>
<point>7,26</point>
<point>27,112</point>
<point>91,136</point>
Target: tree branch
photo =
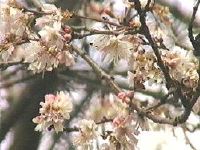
<point>102,74</point>
<point>145,31</point>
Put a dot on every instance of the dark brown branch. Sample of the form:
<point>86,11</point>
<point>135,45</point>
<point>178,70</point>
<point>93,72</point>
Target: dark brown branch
<point>196,45</point>
<point>195,41</point>
<point>74,129</point>
<point>106,32</point>
<point>36,12</point>
<point>104,120</point>
<point>155,119</point>
<point>169,82</point>
<point>147,7</point>
<point>145,31</point>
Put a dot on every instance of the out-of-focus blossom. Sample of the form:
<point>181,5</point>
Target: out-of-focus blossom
<point>6,54</point>
<point>13,21</point>
<point>108,106</point>
<point>45,20</point>
<point>88,133</point>
<point>66,58</point>
<point>131,77</point>
<point>125,96</point>
<point>55,110</point>
<point>125,131</point>
<point>54,15</point>
<point>163,13</point>
<point>106,146</point>
<point>49,8</point>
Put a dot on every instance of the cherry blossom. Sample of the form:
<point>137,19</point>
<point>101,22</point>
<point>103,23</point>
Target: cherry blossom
<point>125,131</point>
<point>114,47</point>
<point>54,111</point>
<point>87,133</point>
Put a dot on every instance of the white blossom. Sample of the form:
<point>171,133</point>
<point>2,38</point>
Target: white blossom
<point>88,132</point>
<point>42,58</point>
<point>51,36</point>
<point>39,58</point>
<point>183,67</point>
<point>125,131</point>
<point>54,15</point>
<point>7,53</point>
<point>114,47</point>
<point>49,8</point>
<point>55,110</point>
<point>13,21</point>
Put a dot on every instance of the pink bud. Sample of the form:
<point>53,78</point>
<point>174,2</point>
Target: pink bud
<point>125,96</point>
<point>67,37</point>
<point>67,29</point>
<point>107,11</point>
<point>121,95</point>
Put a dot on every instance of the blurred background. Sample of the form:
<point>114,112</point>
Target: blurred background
<point>21,91</point>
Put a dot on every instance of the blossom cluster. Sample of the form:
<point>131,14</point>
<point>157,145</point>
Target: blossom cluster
<point>123,134</point>
<point>45,48</point>
<point>138,53</point>
<point>54,111</point>
<point>49,46</point>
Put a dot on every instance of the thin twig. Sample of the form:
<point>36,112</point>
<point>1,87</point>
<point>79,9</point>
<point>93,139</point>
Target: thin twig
<point>104,120</point>
<point>36,12</point>
<point>105,32</point>
<point>96,19</point>
<point>162,101</point>
<point>188,140</point>
<point>74,129</point>
<point>102,74</point>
